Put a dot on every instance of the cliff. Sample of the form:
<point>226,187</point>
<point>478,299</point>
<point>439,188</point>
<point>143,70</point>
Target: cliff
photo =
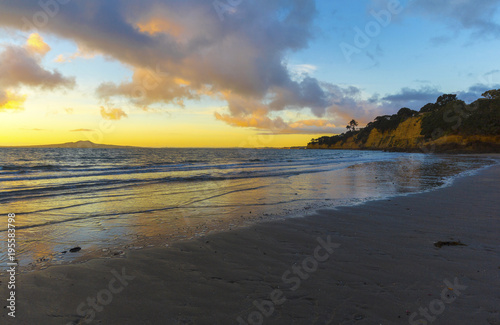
<point>452,126</point>
<point>407,137</point>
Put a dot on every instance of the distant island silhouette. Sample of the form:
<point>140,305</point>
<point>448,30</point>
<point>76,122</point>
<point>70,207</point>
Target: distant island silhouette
<point>78,144</point>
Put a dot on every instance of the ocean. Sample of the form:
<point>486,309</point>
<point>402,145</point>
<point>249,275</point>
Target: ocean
<point>106,201</point>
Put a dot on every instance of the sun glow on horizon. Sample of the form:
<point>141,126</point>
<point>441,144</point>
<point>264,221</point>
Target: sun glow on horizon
<point>185,74</point>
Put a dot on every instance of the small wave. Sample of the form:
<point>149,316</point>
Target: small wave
<point>9,168</point>
<point>29,168</point>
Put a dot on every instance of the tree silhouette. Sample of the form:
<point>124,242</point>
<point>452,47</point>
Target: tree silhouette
<point>352,125</point>
<point>492,94</point>
<point>445,99</point>
<point>406,112</point>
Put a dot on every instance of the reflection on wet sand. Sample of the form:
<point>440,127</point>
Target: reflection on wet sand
<point>107,222</point>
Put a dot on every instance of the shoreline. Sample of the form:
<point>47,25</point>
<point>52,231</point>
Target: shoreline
<point>447,150</point>
<point>210,228</point>
<point>384,270</point>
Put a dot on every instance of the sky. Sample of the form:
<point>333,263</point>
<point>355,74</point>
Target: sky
<point>232,73</point>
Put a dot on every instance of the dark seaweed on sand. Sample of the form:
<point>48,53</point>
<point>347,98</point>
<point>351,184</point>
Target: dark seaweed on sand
<point>440,244</point>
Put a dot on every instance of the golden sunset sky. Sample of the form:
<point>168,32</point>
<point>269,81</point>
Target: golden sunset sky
<point>198,73</point>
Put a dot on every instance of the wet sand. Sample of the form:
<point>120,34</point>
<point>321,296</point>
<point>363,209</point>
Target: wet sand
<point>381,267</point>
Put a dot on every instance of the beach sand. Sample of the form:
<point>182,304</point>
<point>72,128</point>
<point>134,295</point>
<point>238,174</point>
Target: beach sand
<point>384,268</point>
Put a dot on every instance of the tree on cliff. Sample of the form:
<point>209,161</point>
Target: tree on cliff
<point>445,99</point>
<point>428,108</point>
<point>352,125</point>
<point>492,94</point>
<point>448,116</point>
<point>440,102</point>
<point>405,112</point>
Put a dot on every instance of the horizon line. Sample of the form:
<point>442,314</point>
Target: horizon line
<point>47,146</point>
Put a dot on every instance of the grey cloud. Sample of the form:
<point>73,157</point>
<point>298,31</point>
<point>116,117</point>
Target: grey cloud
<point>441,40</point>
<point>347,103</point>
<point>492,72</point>
<point>416,98</point>
<point>475,91</point>
<point>307,93</point>
<point>422,81</point>
<point>464,14</point>
<point>20,67</point>
<point>197,53</point>
<point>412,98</point>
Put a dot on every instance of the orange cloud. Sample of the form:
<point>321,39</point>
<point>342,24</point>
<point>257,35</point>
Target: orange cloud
<point>35,44</point>
<point>34,129</point>
<point>82,52</point>
<point>60,59</point>
<point>149,86</point>
<point>112,113</point>
<point>159,25</point>
<point>12,101</point>
<point>257,119</point>
<point>317,122</point>
<point>182,82</point>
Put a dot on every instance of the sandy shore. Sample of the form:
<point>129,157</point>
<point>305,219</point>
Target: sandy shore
<point>371,264</point>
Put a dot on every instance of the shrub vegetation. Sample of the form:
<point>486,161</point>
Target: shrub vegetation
<point>448,115</point>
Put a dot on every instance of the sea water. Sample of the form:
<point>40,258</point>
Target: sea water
<point>106,200</point>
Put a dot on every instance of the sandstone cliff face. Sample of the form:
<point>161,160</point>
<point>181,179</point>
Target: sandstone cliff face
<point>406,137</point>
